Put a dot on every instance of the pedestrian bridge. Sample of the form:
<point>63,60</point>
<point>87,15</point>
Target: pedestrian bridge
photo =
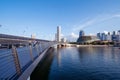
<point>20,55</point>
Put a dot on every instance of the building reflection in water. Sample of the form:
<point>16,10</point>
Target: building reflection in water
<point>100,54</point>
<point>83,63</point>
<point>43,69</point>
<point>58,57</point>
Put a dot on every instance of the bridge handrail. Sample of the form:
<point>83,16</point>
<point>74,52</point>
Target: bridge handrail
<point>12,60</point>
<point>6,36</point>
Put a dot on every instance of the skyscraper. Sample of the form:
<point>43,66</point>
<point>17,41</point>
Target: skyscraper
<point>114,33</point>
<point>55,36</point>
<point>99,36</point>
<point>108,37</point>
<point>33,36</point>
<point>58,34</point>
<point>118,35</point>
<point>81,33</point>
<point>118,32</point>
<point>103,37</point>
<point>114,37</point>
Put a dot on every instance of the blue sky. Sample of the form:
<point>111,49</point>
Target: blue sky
<point>41,17</point>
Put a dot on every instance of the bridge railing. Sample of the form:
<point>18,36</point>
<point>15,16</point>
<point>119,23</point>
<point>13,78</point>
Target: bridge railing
<point>14,61</point>
<point>7,66</point>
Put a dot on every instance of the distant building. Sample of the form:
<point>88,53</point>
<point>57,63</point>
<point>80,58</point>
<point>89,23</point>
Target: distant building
<point>95,38</point>
<point>81,33</point>
<point>33,36</point>
<point>118,35</point>
<point>114,36</point>
<point>111,37</point>
<point>99,36</point>
<point>63,40</point>
<point>114,33</point>
<point>58,34</point>
<point>82,38</point>
<point>55,36</point>
<point>103,37</point>
<point>108,37</point>
<point>118,32</point>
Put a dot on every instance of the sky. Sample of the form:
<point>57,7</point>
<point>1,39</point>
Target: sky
<point>41,17</point>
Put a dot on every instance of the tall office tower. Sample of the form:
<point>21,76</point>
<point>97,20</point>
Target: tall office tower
<point>103,36</point>
<point>108,33</point>
<point>33,36</point>
<point>118,32</point>
<point>81,33</point>
<point>58,34</point>
<point>109,37</point>
<point>114,33</point>
<point>114,37</point>
<point>118,35</point>
<point>99,36</point>
<point>55,36</point>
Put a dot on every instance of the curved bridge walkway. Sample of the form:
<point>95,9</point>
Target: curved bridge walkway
<point>20,55</point>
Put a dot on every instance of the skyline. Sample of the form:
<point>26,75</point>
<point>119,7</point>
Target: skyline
<point>41,17</point>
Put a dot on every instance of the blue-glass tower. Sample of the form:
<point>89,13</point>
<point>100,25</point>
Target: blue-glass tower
<point>81,33</point>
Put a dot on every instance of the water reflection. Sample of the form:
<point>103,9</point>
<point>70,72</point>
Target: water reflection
<point>58,53</point>
<point>42,70</point>
<point>84,63</point>
<point>100,62</point>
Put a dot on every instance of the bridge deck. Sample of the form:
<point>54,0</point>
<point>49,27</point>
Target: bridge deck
<point>21,59</point>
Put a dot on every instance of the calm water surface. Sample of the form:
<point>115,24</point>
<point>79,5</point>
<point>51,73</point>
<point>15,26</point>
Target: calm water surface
<point>84,63</point>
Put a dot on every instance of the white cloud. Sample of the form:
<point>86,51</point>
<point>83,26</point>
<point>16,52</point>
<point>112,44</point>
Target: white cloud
<point>47,37</point>
<point>106,32</point>
<point>62,35</point>
<point>91,34</point>
<point>81,26</point>
<point>72,37</point>
<point>117,15</point>
<point>97,19</point>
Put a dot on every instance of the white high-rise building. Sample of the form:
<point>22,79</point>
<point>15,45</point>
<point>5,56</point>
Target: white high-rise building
<point>58,34</point>
<point>55,36</point>
<point>103,37</point>
<point>118,35</point>
<point>33,36</point>
<point>109,37</point>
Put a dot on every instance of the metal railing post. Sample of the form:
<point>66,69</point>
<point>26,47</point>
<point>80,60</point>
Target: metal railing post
<point>31,55</point>
<point>44,45</point>
<point>37,49</point>
<point>40,47</point>
<point>16,60</point>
